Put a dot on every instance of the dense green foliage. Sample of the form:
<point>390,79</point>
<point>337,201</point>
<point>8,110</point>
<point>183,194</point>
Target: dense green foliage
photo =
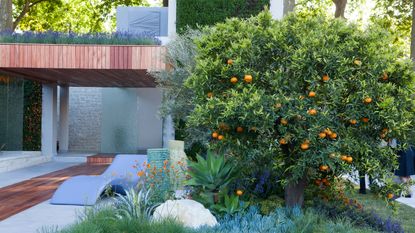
<point>281,220</point>
<point>208,12</point>
<point>269,88</point>
<point>50,37</point>
<point>32,116</point>
<point>71,15</point>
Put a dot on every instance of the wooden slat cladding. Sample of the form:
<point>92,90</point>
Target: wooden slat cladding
<point>81,56</point>
<point>23,195</point>
<point>100,159</point>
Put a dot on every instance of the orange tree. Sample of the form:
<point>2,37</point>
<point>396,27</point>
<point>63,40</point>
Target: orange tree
<point>314,96</point>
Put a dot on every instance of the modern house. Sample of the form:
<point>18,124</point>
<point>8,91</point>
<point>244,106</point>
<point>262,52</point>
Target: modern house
<point>95,98</point>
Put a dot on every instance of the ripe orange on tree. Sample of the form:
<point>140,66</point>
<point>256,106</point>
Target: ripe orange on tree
<point>317,182</point>
<point>322,135</point>
<point>324,180</point>
<point>239,192</point>
<point>367,100</point>
<point>324,167</point>
<point>349,159</point>
<point>353,121</point>
<point>221,137</point>
<point>305,146</point>
<point>248,78</point>
<point>390,195</point>
<point>210,94</point>
<point>230,62</point>
<point>365,119</point>
<point>234,80</point>
<point>343,157</point>
<point>311,94</point>
<point>325,78</point>
<point>239,129</point>
<point>284,121</point>
<point>283,141</point>
<point>333,136</point>
<point>215,135</point>
<point>312,112</point>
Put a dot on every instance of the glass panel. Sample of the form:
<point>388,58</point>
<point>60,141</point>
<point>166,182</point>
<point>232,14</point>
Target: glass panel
<point>11,113</point>
<point>119,120</point>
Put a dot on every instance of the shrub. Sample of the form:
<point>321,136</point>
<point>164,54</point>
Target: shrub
<point>313,96</point>
<point>208,12</point>
<point>51,37</point>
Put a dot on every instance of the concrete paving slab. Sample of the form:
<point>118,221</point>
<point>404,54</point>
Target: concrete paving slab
<point>12,177</point>
<point>43,215</point>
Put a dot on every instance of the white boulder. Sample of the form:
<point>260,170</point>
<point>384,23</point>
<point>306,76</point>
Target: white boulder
<point>190,213</point>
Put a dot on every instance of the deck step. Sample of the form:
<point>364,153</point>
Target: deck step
<point>100,159</point>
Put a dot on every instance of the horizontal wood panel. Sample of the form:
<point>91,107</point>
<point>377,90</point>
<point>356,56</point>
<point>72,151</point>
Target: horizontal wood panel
<point>82,56</point>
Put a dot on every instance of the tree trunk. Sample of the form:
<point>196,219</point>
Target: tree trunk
<point>294,193</point>
<point>413,32</point>
<point>288,6</point>
<point>165,3</point>
<point>6,17</point>
<point>340,8</point>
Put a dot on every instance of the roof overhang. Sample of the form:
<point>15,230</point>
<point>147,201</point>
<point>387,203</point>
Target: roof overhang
<point>83,65</point>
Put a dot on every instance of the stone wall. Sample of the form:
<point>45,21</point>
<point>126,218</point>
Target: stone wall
<point>85,118</point>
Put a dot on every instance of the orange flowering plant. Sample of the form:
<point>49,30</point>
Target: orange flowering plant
<point>165,179</point>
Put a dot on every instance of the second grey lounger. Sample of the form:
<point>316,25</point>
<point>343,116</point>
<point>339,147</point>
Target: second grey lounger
<point>86,190</point>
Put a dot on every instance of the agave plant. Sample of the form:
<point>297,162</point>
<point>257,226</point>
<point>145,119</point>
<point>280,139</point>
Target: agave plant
<point>212,173</point>
<point>135,204</point>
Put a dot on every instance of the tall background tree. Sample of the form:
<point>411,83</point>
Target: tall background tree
<point>61,15</point>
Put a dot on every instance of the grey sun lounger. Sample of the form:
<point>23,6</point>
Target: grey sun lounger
<point>86,190</point>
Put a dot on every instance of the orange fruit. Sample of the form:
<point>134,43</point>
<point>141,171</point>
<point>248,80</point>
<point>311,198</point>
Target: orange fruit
<point>312,112</point>
<point>343,157</point>
<point>284,121</point>
<point>349,159</point>
<point>322,135</point>
<point>239,129</point>
<point>248,78</point>
<point>305,146</point>
<point>367,100</point>
<point>283,141</point>
<point>328,131</point>
<point>385,130</point>
<point>234,80</point>
<point>324,167</point>
<point>317,182</point>
<point>333,136</point>
<point>390,195</point>
<point>325,78</point>
<point>353,121</point>
<point>140,173</point>
<point>324,180</point>
<point>215,135</point>
<point>220,137</point>
<point>239,192</point>
<point>230,62</point>
<point>210,94</point>
<point>357,62</point>
<point>385,76</point>
<point>311,94</point>
<point>365,119</point>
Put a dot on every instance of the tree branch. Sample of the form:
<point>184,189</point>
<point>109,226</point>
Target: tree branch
<point>26,8</point>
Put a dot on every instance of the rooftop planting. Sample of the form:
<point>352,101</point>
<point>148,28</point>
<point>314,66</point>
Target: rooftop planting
<point>50,37</point>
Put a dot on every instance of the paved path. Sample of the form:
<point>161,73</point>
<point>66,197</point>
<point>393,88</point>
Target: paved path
<point>23,195</point>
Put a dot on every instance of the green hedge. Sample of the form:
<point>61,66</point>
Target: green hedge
<point>209,12</point>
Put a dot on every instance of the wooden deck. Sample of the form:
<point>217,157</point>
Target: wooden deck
<point>100,159</point>
<point>21,196</point>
